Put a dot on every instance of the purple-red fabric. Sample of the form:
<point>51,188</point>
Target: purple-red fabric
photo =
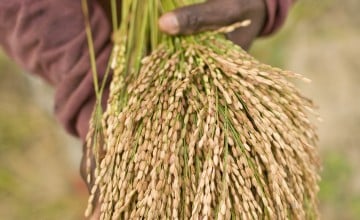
<point>277,11</point>
<point>47,38</point>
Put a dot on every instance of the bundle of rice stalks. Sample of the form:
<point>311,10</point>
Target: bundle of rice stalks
<point>199,129</point>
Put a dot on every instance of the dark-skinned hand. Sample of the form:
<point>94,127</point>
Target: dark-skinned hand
<point>215,14</point>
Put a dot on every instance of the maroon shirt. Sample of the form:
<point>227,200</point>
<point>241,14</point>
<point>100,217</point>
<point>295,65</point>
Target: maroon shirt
<point>47,38</point>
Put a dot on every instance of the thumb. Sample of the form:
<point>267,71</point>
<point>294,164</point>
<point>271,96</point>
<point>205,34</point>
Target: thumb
<point>204,16</point>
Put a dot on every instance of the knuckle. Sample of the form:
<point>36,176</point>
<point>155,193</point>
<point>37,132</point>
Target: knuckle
<point>190,21</point>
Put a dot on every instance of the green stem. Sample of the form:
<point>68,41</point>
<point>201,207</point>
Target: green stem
<point>85,9</point>
<point>114,15</point>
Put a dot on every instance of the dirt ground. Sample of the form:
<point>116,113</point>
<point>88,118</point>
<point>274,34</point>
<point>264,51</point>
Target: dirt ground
<point>39,162</point>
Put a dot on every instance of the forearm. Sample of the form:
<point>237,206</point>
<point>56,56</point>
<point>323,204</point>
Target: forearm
<point>47,38</point>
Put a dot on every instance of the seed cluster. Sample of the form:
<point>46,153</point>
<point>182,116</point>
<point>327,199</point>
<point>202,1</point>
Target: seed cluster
<point>205,131</point>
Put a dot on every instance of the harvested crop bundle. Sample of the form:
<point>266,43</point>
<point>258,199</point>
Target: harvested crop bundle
<point>199,129</point>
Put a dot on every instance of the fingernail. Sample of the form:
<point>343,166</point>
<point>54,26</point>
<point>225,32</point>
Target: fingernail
<point>169,23</point>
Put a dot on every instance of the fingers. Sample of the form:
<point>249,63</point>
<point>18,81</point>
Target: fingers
<point>84,174</point>
<point>205,16</point>
<point>214,14</point>
<point>244,36</point>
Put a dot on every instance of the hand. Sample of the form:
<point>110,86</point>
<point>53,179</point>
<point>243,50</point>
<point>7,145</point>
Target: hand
<point>84,174</point>
<point>215,14</point>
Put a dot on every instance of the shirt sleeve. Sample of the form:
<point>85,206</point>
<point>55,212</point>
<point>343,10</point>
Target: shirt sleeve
<point>277,11</point>
<point>47,38</point>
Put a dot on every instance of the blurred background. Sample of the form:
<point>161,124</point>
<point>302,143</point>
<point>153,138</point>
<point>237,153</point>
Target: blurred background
<point>39,176</point>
